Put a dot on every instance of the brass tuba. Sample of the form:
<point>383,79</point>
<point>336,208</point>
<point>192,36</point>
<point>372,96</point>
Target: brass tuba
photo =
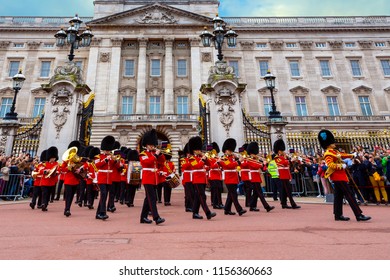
<point>74,162</point>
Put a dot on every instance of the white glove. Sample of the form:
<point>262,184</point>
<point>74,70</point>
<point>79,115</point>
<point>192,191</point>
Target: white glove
<point>355,154</point>
<point>344,165</point>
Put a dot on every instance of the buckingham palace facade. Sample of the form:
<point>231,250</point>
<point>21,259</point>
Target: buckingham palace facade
<point>146,65</point>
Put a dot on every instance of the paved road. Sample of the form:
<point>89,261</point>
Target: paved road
<point>308,233</point>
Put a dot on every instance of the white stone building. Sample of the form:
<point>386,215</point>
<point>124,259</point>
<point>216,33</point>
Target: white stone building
<point>146,65</point>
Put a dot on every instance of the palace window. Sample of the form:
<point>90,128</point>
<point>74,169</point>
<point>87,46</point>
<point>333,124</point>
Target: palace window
<point>45,69</point>
<point>154,105</point>
<point>380,44</point>
<point>182,68</point>
<point>267,105</point>
<point>350,45</point>
<point>365,105</point>
<point>234,64</point>
<point>355,67</point>
<point>19,45</point>
<point>263,68</point>
<point>129,68</point>
<point>155,68</point>
<point>182,105</point>
<point>291,45</point>
<point>6,104</point>
<point>320,45</point>
<point>39,107</point>
<point>127,105</point>
<point>13,68</point>
<point>325,69</point>
<point>261,45</point>
<point>300,103</point>
<point>333,106</point>
<point>386,66</point>
<point>294,68</point>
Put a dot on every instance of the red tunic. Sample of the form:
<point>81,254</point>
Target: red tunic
<point>333,159</point>
<point>117,170</point>
<point>199,170</point>
<point>37,180</point>
<point>229,165</point>
<point>186,170</point>
<point>255,167</point>
<point>283,167</point>
<point>69,177</point>
<point>51,181</point>
<point>245,171</point>
<point>105,164</point>
<point>215,172</point>
<point>124,173</point>
<point>90,173</point>
<point>150,165</point>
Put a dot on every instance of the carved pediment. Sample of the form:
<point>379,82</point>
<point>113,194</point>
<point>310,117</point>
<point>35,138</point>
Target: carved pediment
<point>362,89</point>
<point>39,92</point>
<point>182,90</point>
<point>153,14</point>
<point>155,91</point>
<point>127,90</point>
<point>331,90</point>
<point>7,91</point>
<point>306,44</point>
<point>265,91</point>
<point>299,90</point>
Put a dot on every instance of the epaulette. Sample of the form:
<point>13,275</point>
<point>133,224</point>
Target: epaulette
<point>143,153</point>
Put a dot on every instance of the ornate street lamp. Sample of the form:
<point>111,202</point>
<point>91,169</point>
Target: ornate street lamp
<point>17,81</point>
<point>71,36</point>
<point>218,36</point>
<point>270,83</point>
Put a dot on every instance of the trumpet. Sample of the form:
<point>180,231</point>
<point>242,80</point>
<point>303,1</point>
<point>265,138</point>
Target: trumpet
<point>211,154</point>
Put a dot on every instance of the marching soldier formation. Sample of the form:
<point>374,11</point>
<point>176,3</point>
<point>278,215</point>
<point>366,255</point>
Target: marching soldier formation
<point>113,174</point>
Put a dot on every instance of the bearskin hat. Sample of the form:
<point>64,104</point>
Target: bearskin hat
<point>93,153</point>
<point>195,143</point>
<point>215,147</point>
<point>229,144</point>
<point>186,150</point>
<point>86,151</point>
<point>117,145</point>
<point>108,143</point>
<point>74,143</point>
<point>150,138</point>
<point>132,155</point>
<point>252,148</point>
<point>43,158</point>
<point>124,149</point>
<point>279,146</point>
<point>52,152</point>
<point>325,137</point>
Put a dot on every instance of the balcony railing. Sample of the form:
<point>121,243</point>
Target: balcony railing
<point>156,117</point>
<point>311,119</point>
<point>37,21</point>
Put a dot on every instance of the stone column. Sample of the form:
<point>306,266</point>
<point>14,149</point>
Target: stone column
<point>8,129</point>
<point>93,63</point>
<point>251,75</point>
<point>169,102</point>
<point>112,105</point>
<point>196,79</point>
<point>141,77</point>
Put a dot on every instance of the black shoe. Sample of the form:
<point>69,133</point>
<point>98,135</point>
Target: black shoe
<point>286,207</point>
<point>116,200</point>
<point>296,206</point>
<point>159,201</point>
<point>160,220</point>
<point>57,198</point>
<point>39,206</point>
<point>197,216</point>
<point>51,201</point>
<point>275,199</point>
<point>222,206</point>
<point>101,217</point>
<point>188,210</point>
<point>145,221</point>
<point>341,218</point>
<point>90,207</point>
<point>241,212</point>
<point>270,208</point>
<point>167,203</point>
<point>131,205</point>
<point>121,202</point>
<point>80,204</point>
<point>32,205</point>
<point>112,210</point>
<point>230,213</point>
<point>44,208</point>
<point>363,218</point>
<point>254,209</point>
<point>210,215</point>
<point>67,213</point>
<point>217,207</point>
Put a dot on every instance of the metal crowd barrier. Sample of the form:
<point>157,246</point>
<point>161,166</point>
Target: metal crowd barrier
<point>12,186</point>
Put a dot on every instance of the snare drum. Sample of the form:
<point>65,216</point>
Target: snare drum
<point>174,181</point>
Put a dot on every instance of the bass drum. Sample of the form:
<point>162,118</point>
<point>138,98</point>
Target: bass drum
<point>134,173</point>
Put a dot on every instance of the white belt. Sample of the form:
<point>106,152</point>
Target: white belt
<point>223,173</point>
<point>249,173</point>
<point>230,170</point>
<point>105,171</point>
<point>196,170</point>
<point>149,169</point>
<point>283,167</point>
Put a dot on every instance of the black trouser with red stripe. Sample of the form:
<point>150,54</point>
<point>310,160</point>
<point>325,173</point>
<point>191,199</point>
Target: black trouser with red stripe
<point>216,190</point>
<point>189,194</point>
<point>285,192</point>
<point>258,193</point>
<point>248,190</point>
<point>149,202</point>
<point>200,199</point>
<point>232,197</point>
<point>342,190</point>
<point>104,189</point>
<point>70,190</point>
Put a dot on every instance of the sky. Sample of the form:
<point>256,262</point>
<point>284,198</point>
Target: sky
<point>242,8</point>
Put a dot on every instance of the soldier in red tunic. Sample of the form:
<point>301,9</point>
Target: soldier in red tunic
<point>151,159</point>
<point>229,163</point>
<point>256,167</point>
<point>49,182</point>
<point>215,177</point>
<point>105,163</point>
<point>338,176</point>
<point>91,178</point>
<point>133,174</point>
<point>187,180</point>
<point>37,177</point>
<point>283,164</point>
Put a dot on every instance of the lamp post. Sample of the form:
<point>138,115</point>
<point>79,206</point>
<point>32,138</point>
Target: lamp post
<point>17,81</point>
<point>270,82</point>
<point>218,36</point>
<point>71,36</point>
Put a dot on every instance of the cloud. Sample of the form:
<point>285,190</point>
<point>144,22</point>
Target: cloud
<point>284,8</point>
